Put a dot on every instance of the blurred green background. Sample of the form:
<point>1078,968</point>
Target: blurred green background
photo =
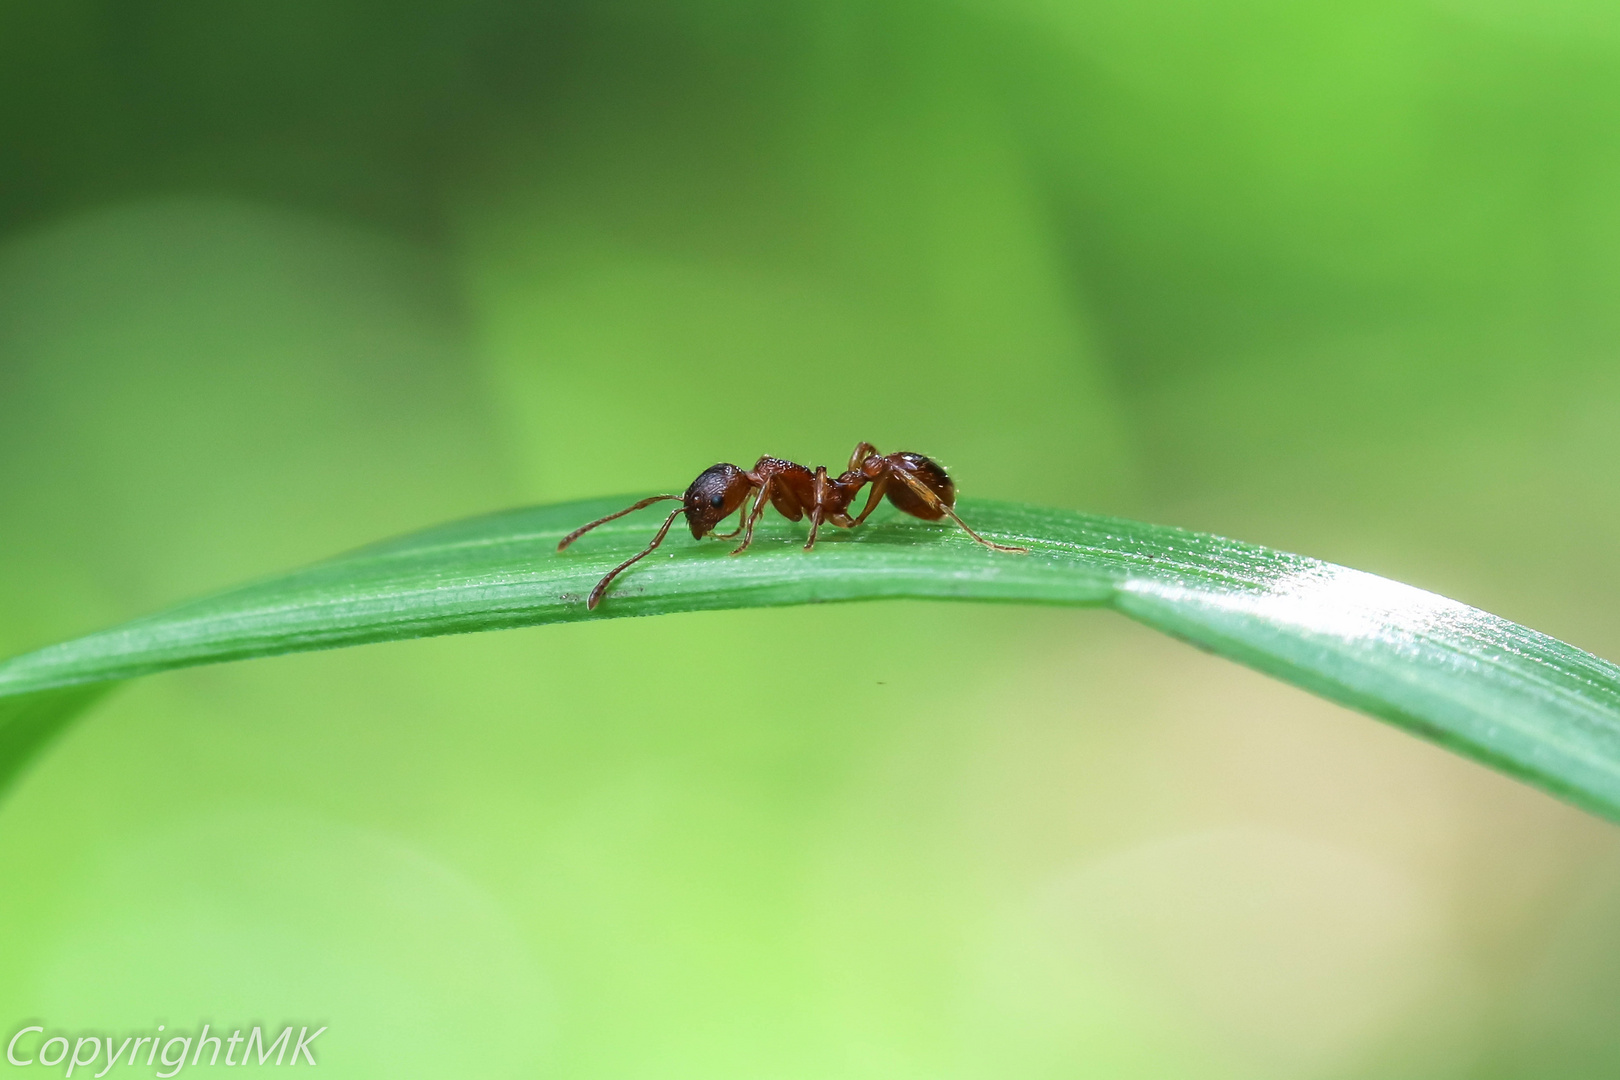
<point>280,279</point>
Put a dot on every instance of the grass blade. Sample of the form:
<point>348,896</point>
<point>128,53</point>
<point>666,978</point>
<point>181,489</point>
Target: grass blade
<point>1523,702</point>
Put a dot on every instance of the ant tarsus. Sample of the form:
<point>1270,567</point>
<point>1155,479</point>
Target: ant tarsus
<point>916,485</point>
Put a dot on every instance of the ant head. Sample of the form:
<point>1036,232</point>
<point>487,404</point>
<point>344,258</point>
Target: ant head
<point>713,496</point>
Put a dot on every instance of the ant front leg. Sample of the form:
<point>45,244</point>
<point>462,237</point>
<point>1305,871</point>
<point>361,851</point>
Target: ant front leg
<point>742,517</point>
<point>926,494</point>
<point>754,514</point>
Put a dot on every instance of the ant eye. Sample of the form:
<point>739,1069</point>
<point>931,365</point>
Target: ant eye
<point>717,501</point>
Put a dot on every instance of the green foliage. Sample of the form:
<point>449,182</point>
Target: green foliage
<point>1488,688</point>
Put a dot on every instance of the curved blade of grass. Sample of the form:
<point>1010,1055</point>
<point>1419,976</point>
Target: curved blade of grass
<point>1487,688</point>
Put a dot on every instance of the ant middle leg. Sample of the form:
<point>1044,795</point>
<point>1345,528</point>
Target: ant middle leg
<point>815,527</point>
<point>818,504</point>
<point>926,494</point>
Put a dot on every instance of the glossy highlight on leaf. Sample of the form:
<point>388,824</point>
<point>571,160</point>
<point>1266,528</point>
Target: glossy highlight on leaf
<point>1495,691</point>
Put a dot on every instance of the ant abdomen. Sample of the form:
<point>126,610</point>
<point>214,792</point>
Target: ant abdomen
<point>933,477</point>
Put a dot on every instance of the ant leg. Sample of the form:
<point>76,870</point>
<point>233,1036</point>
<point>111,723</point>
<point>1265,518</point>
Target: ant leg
<point>927,495</point>
<point>601,586</point>
<point>755,514</point>
<point>818,499</point>
<point>879,486</point>
<point>742,516</point>
<point>583,529</point>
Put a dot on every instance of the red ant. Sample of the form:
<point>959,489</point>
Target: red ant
<point>914,484</point>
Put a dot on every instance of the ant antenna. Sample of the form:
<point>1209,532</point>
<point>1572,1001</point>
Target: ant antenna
<point>583,529</point>
<point>601,586</point>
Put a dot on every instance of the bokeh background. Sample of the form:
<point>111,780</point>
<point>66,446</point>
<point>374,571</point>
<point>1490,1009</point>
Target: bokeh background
<point>278,279</point>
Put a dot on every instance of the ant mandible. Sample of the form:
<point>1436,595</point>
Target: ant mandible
<point>914,484</point>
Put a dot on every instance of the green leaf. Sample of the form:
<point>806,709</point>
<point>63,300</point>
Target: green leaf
<point>1487,688</point>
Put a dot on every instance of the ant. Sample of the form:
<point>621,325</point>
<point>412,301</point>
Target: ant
<point>915,484</point>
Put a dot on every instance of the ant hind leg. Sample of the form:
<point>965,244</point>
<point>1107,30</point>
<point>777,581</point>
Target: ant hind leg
<point>862,452</point>
<point>879,487</point>
<point>927,495</point>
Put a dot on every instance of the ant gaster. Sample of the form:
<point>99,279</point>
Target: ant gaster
<point>914,484</point>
